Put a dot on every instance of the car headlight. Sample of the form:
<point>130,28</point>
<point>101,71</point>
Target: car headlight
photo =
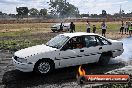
<point>21,60</point>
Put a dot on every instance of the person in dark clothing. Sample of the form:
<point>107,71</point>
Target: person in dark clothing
<point>61,27</point>
<point>72,27</point>
<point>94,28</point>
<point>122,27</point>
<point>104,27</point>
<point>130,30</point>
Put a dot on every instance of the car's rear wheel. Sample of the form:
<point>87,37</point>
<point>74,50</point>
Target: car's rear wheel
<point>53,30</point>
<point>104,60</point>
<point>43,67</point>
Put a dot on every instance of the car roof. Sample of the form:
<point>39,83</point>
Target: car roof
<point>60,24</point>
<point>77,34</point>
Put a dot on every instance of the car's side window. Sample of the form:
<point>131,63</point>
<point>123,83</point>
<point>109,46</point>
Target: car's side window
<point>68,45</point>
<point>91,41</point>
<point>104,41</point>
<point>74,43</point>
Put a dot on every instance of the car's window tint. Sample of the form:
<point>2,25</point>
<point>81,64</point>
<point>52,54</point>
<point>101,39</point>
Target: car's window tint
<point>91,41</point>
<point>98,41</point>
<point>75,43</point>
<point>57,42</point>
<point>104,41</point>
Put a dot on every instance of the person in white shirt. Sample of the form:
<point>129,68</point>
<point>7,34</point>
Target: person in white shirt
<point>88,27</point>
<point>104,27</point>
<point>126,27</point>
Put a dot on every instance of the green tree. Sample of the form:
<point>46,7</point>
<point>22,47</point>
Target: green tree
<point>33,12</point>
<point>63,9</point>
<point>84,15</point>
<point>104,13</point>
<point>43,12</point>
<point>0,13</point>
<point>22,11</point>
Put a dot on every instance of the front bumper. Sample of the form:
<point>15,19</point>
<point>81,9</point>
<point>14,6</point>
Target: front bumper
<point>24,67</point>
<point>54,29</point>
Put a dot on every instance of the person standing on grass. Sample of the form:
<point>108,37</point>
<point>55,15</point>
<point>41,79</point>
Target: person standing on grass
<point>72,27</point>
<point>130,30</point>
<point>94,28</point>
<point>122,27</point>
<point>104,27</point>
<point>126,27</point>
<point>88,27</point>
<point>61,27</point>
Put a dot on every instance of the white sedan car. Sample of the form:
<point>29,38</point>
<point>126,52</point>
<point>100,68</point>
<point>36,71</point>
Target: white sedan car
<point>56,27</point>
<point>68,49</point>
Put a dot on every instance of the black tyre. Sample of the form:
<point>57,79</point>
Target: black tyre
<point>59,30</point>
<point>43,67</point>
<point>53,30</point>
<point>104,60</point>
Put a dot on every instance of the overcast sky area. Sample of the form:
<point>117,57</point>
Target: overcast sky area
<point>85,6</point>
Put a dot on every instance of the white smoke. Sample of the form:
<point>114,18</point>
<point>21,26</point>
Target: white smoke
<point>127,45</point>
<point>127,54</point>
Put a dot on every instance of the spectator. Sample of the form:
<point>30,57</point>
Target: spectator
<point>122,27</point>
<point>94,28</point>
<point>104,27</point>
<point>130,30</point>
<point>88,27</point>
<point>72,27</point>
<point>126,27</point>
<point>61,27</point>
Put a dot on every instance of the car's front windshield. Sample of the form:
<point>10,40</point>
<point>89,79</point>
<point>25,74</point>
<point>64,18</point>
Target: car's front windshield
<point>57,41</point>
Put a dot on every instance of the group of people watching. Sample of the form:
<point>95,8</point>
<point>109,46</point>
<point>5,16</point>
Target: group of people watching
<point>88,28</point>
<point>126,27</point>
<point>103,27</point>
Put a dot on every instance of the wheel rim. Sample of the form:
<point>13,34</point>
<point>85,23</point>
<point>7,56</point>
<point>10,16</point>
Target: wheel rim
<point>44,67</point>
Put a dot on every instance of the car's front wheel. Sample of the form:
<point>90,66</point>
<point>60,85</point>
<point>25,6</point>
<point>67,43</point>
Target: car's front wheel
<point>43,67</point>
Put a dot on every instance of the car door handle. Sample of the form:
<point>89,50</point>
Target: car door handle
<point>81,50</point>
<point>100,48</point>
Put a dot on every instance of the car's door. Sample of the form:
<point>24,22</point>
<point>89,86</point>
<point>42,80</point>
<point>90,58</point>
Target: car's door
<point>65,27</point>
<point>92,49</point>
<point>71,54</point>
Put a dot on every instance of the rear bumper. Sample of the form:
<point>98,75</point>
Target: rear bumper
<point>24,67</point>
<point>117,52</point>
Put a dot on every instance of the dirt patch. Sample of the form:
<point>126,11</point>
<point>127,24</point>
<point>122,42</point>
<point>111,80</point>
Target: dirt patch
<point>116,35</point>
